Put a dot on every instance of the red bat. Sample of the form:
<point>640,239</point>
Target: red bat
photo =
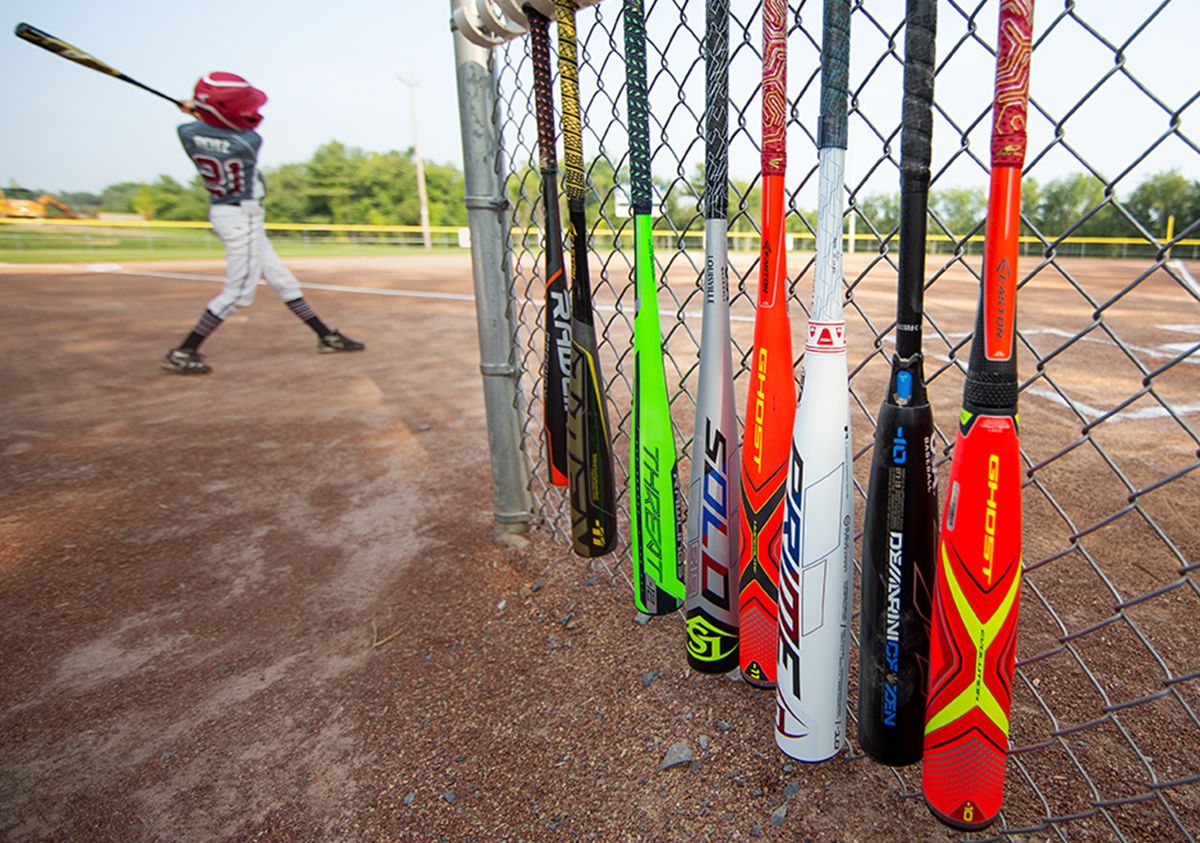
<point>771,406</point>
<point>976,594</point>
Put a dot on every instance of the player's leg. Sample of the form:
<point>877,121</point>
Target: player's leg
<point>243,267</point>
<point>285,285</point>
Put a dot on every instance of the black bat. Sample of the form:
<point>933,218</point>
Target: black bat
<point>589,443</point>
<point>900,527</point>
<point>72,53</point>
<point>556,366</point>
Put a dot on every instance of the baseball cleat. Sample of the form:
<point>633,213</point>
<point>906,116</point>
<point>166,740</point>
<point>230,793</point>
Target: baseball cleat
<point>336,341</point>
<point>185,362</point>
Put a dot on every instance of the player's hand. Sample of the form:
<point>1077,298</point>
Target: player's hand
<point>188,107</point>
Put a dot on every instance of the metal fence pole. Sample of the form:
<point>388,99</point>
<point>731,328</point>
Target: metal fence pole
<point>489,266</point>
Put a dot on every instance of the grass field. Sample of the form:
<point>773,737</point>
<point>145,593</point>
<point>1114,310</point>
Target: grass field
<point>25,244</point>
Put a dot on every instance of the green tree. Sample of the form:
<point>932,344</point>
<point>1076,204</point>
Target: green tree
<point>1064,201</point>
<point>118,198</point>
<point>83,203</point>
<point>882,211</point>
<point>960,209</point>
<point>288,199</point>
<point>167,199</point>
<point>329,174</point>
<point>447,193</point>
<point>605,193</point>
<point>1162,195</point>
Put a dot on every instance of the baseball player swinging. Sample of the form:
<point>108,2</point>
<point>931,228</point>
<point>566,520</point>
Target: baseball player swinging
<point>224,147</point>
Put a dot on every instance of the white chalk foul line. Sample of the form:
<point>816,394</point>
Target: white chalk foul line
<point>116,269</point>
<point>1181,268</point>
<point>1085,410</point>
<point>1092,413</point>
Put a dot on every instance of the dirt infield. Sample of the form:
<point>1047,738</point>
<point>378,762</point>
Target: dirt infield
<point>265,604</point>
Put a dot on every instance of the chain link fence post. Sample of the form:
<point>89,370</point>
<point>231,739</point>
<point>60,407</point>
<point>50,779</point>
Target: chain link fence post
<point>486,216</point>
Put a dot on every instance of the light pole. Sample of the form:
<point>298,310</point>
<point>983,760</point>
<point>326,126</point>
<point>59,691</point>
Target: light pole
<point>420,165</point>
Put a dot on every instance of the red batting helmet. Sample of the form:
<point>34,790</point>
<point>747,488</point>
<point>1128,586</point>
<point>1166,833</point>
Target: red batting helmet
<point>228,101</point>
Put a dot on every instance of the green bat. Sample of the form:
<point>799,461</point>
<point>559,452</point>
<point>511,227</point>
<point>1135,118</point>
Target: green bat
<point>655,502</point>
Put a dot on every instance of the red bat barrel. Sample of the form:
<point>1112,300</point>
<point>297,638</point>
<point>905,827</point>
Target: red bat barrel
<point>976,594</point>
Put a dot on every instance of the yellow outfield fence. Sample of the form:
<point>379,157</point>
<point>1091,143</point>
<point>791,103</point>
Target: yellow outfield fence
<point>63,230</point>
<point>459,236</point>
<point>204,224</point>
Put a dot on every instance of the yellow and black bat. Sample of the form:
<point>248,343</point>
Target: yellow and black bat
<point>72,53</point>
<point>589,440</point>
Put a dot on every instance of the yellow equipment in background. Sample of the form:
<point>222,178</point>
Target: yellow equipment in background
<point>19,202</point>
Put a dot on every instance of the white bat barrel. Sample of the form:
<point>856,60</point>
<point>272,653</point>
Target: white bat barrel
<point>816,574</point>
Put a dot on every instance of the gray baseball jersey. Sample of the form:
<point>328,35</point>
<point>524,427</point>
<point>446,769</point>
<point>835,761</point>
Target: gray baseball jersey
<point>227,161</point>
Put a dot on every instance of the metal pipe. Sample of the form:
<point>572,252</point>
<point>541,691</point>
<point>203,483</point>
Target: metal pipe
<point>486,216</point>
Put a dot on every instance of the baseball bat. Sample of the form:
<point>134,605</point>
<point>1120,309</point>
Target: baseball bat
<point>655,499</point>
<point>589,446</point>
<point>976,594</point>
<point>817,574</point>
<point>711,604</point>
<point>72,53</point>
<point>900,523</point>
<point>771,403</point>
<point>556,362</point>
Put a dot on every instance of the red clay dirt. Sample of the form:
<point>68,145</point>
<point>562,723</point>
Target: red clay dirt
<point>267,605</point>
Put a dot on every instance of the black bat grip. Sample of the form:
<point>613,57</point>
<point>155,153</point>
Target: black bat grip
<point>637,96</point>
<point>990,385</point>
<point>543,91</point>
<point>916,136</point>
<point>716,110</point>
<point>916,139</point>
<point>835,74</point>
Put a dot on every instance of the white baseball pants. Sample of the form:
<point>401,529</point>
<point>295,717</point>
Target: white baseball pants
<point>249,256</point>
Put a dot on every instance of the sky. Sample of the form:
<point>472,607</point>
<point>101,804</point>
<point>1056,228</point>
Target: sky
<point>329,75</point>
<point>333,76</point>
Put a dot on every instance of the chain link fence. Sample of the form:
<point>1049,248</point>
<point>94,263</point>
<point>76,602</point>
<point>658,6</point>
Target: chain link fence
<point>1105,738</point>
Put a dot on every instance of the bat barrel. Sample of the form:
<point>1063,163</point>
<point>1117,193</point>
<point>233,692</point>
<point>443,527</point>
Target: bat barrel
<point>72,53</point>
<point>898,549</point>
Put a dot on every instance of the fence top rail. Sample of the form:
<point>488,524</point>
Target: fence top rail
<point>698,235</point>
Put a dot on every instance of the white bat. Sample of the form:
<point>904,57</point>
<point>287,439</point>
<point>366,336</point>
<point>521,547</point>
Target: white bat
<point>816,574</point>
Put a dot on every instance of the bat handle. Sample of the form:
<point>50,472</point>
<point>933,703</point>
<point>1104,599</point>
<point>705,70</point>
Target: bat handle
<point>716,110</point>
<point>916,138</point>
<point>539,46</point>
<point>915,153</point>
<point>178,103</point>
<point>774,87</point>
<point>835,75</point>
<point>1011,108</point>
<point>637,97</point>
